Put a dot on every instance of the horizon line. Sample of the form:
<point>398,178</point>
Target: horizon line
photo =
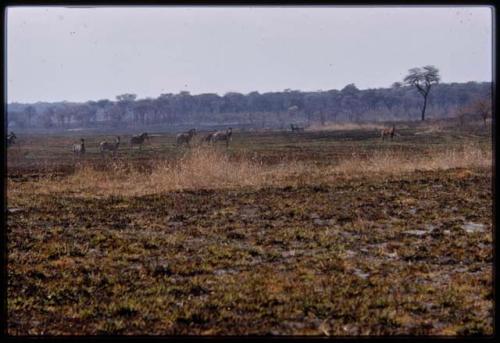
<point>224,93</point>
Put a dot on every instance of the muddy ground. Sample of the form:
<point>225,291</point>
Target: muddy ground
<point>407,254</point>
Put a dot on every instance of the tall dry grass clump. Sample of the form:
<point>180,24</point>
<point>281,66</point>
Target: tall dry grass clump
<point>208,168</point>
<point>212,168</point>
<point>393,162</point>
<point>198,168</point>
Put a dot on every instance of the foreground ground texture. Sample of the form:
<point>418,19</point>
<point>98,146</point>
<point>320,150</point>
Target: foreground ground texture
<point>380,254</point>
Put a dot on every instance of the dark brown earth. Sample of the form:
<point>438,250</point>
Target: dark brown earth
<point>407,254</point>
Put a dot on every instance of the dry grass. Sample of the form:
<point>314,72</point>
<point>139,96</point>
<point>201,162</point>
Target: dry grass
<point>345,126</point>
<point>200,168</point>
<point>466,156</point>
<point>204,168</point>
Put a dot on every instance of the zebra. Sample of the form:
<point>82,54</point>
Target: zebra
<point>223,136</point>
<point>296,128</point>
<point>388,132</point>
<point>185,137</point>
<point>208,137</point>
<point>138,140</point>
<point>11,139</point>
<point>79,148</point>
<point>113,147</point>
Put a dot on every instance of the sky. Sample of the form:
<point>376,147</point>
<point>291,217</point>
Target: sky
<point>81,54</point>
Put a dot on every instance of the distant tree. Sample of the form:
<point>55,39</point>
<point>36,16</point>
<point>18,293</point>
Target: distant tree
<point>122,107</point>
<point>126,97</point>
<point>234,102</point>
<point>423,79</point>
<point>61,115</point>
<point>102,107</point>
<point>350,101</point>
<point>293,110</point>
<point>30,113</point>
<point>102,104</point>
<point>17,118</point>
<point>332,105</point>
<point>91,111</point>
<point>47,116</point>
<point>140,108</point>
<point>115,114</point>
<point>165,102</point>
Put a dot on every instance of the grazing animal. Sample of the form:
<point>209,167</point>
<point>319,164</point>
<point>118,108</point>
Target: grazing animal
<point>185,137</point>
<point>11,139</point>
<point>208,137</point>
<point>107,146</point>
<point>79,148</point>
<point>296,128</point>
<point>138,140</point>
<point>223,136</point>
<point>388,132</point>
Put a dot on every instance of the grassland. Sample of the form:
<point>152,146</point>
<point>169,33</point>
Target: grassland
<point>314,233</point>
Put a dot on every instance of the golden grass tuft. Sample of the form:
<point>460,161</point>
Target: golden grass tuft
<point>206,168</point>
<point>212,168</point>
<point>199,168</point>
<point>466,156</point>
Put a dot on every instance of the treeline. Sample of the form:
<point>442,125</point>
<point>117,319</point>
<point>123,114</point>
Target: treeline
<point>272,109</point>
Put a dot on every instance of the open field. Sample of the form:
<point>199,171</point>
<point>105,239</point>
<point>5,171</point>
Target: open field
<point>312,233</point>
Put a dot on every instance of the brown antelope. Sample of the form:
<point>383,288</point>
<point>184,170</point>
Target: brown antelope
<point>11,139</point>
<point>107,146</point>
<point>79,148</point>
<point>223,136</point>
<point>388,132</point>
<point>138,140</point>
<point>185,137</point>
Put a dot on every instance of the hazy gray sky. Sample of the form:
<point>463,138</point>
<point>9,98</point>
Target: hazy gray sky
<point>79,54</point>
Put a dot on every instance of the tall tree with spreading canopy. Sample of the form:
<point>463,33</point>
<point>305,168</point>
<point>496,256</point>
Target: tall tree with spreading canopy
<point>423,79</point>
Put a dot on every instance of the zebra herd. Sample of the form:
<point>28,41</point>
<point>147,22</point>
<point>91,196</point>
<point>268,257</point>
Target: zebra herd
<point>79,148</point>
<point>181,138</point>
<point>211,137</point>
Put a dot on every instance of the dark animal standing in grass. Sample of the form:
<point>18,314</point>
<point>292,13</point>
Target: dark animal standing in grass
<point>388,132</point>
<point>185,137</point>
<point>107,146</point>
<point>208,137</point>
<point>11,139</point>
<point>79,148</point>
<point>223,136</point>
<point>296,128</point>
<point>138,140</point>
